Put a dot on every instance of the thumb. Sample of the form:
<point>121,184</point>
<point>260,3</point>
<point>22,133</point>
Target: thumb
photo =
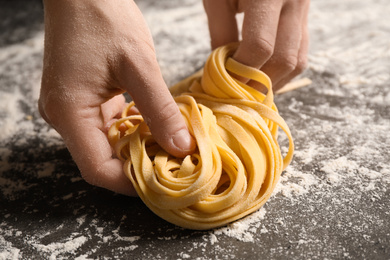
<point>146,86</point>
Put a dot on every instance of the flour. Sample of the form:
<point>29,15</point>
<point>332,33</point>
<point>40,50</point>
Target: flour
<point>82,257</point>
<point>15,116</point>
<point>243,229</point>
<point>340,168</point>
<point>213,239</point>
<point>81,220</point>
<point>57,248</point>
<point>294,182</point>
<point>337,169</point>
<point>307,155</point>
<point>7,251</point>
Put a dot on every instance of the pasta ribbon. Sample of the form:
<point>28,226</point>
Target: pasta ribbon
<point>238,160</point>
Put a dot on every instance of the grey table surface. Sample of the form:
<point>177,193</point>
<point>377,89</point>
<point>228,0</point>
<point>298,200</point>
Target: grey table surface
<point>332,202</point>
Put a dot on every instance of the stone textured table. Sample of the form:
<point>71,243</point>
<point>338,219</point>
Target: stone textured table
<point>332,202</point>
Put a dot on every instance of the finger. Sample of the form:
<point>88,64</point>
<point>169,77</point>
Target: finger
<point>302,60</point>
<point>42,111</point>
<point>222,22</point>
<point>92,152</point>
<point>303,50</point>
<point>155,103</point>
<point>111,110</point>
<point>258,32</point>
<point>283,65</point>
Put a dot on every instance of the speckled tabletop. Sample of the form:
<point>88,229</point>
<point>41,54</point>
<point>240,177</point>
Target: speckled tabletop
<point>332,202</point>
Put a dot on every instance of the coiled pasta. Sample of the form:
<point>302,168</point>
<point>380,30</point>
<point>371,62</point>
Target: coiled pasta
<point>238,160</point>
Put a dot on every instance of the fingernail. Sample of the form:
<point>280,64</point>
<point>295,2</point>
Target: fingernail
<point>183,140</point>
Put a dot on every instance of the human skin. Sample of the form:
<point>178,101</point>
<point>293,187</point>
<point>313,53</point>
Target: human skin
<point>95,50</point>
<point>274,34</point>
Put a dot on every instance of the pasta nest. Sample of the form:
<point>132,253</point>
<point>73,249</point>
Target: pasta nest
<point>237,162</point>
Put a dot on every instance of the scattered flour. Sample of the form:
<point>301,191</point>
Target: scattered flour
<point>83,257</point>
<point>337,169</point>
<point>57,248</point>
<point>7,251</point>
<point>46,170</point>
<point>128,239</point>
<point>14,121</point>
<point>243,230</point>
<point>356,74</point>
<point>213,239</point>
<point>307,155</point>
<point>81,220</point>
<point>294,182</point>
<point>184,255</point>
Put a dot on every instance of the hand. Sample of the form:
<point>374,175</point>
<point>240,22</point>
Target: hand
<point>95,51</point>
<point>275,37</point>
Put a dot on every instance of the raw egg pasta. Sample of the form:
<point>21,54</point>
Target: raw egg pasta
<point>238,160</point>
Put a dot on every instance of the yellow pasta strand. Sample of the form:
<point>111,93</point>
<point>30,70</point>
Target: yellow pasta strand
<point>237,162</point>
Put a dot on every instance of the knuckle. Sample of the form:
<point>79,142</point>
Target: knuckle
<point>168,113</point>
<point>41,108</point>
<point>91,176</point>
<point>45,111</point>
<point>261,47</point>
<point>297,2</point>
<point>289,62</point>
<point>285,62</point>
<point>303,2</point>
<point>48,110</point>
<point>301,65</point>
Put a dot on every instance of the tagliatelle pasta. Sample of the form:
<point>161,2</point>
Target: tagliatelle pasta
<point>238,160</point>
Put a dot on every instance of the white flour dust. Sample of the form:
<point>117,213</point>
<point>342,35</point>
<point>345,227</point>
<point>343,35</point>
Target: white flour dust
<point>342,159</point>
<point>57,248</point>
